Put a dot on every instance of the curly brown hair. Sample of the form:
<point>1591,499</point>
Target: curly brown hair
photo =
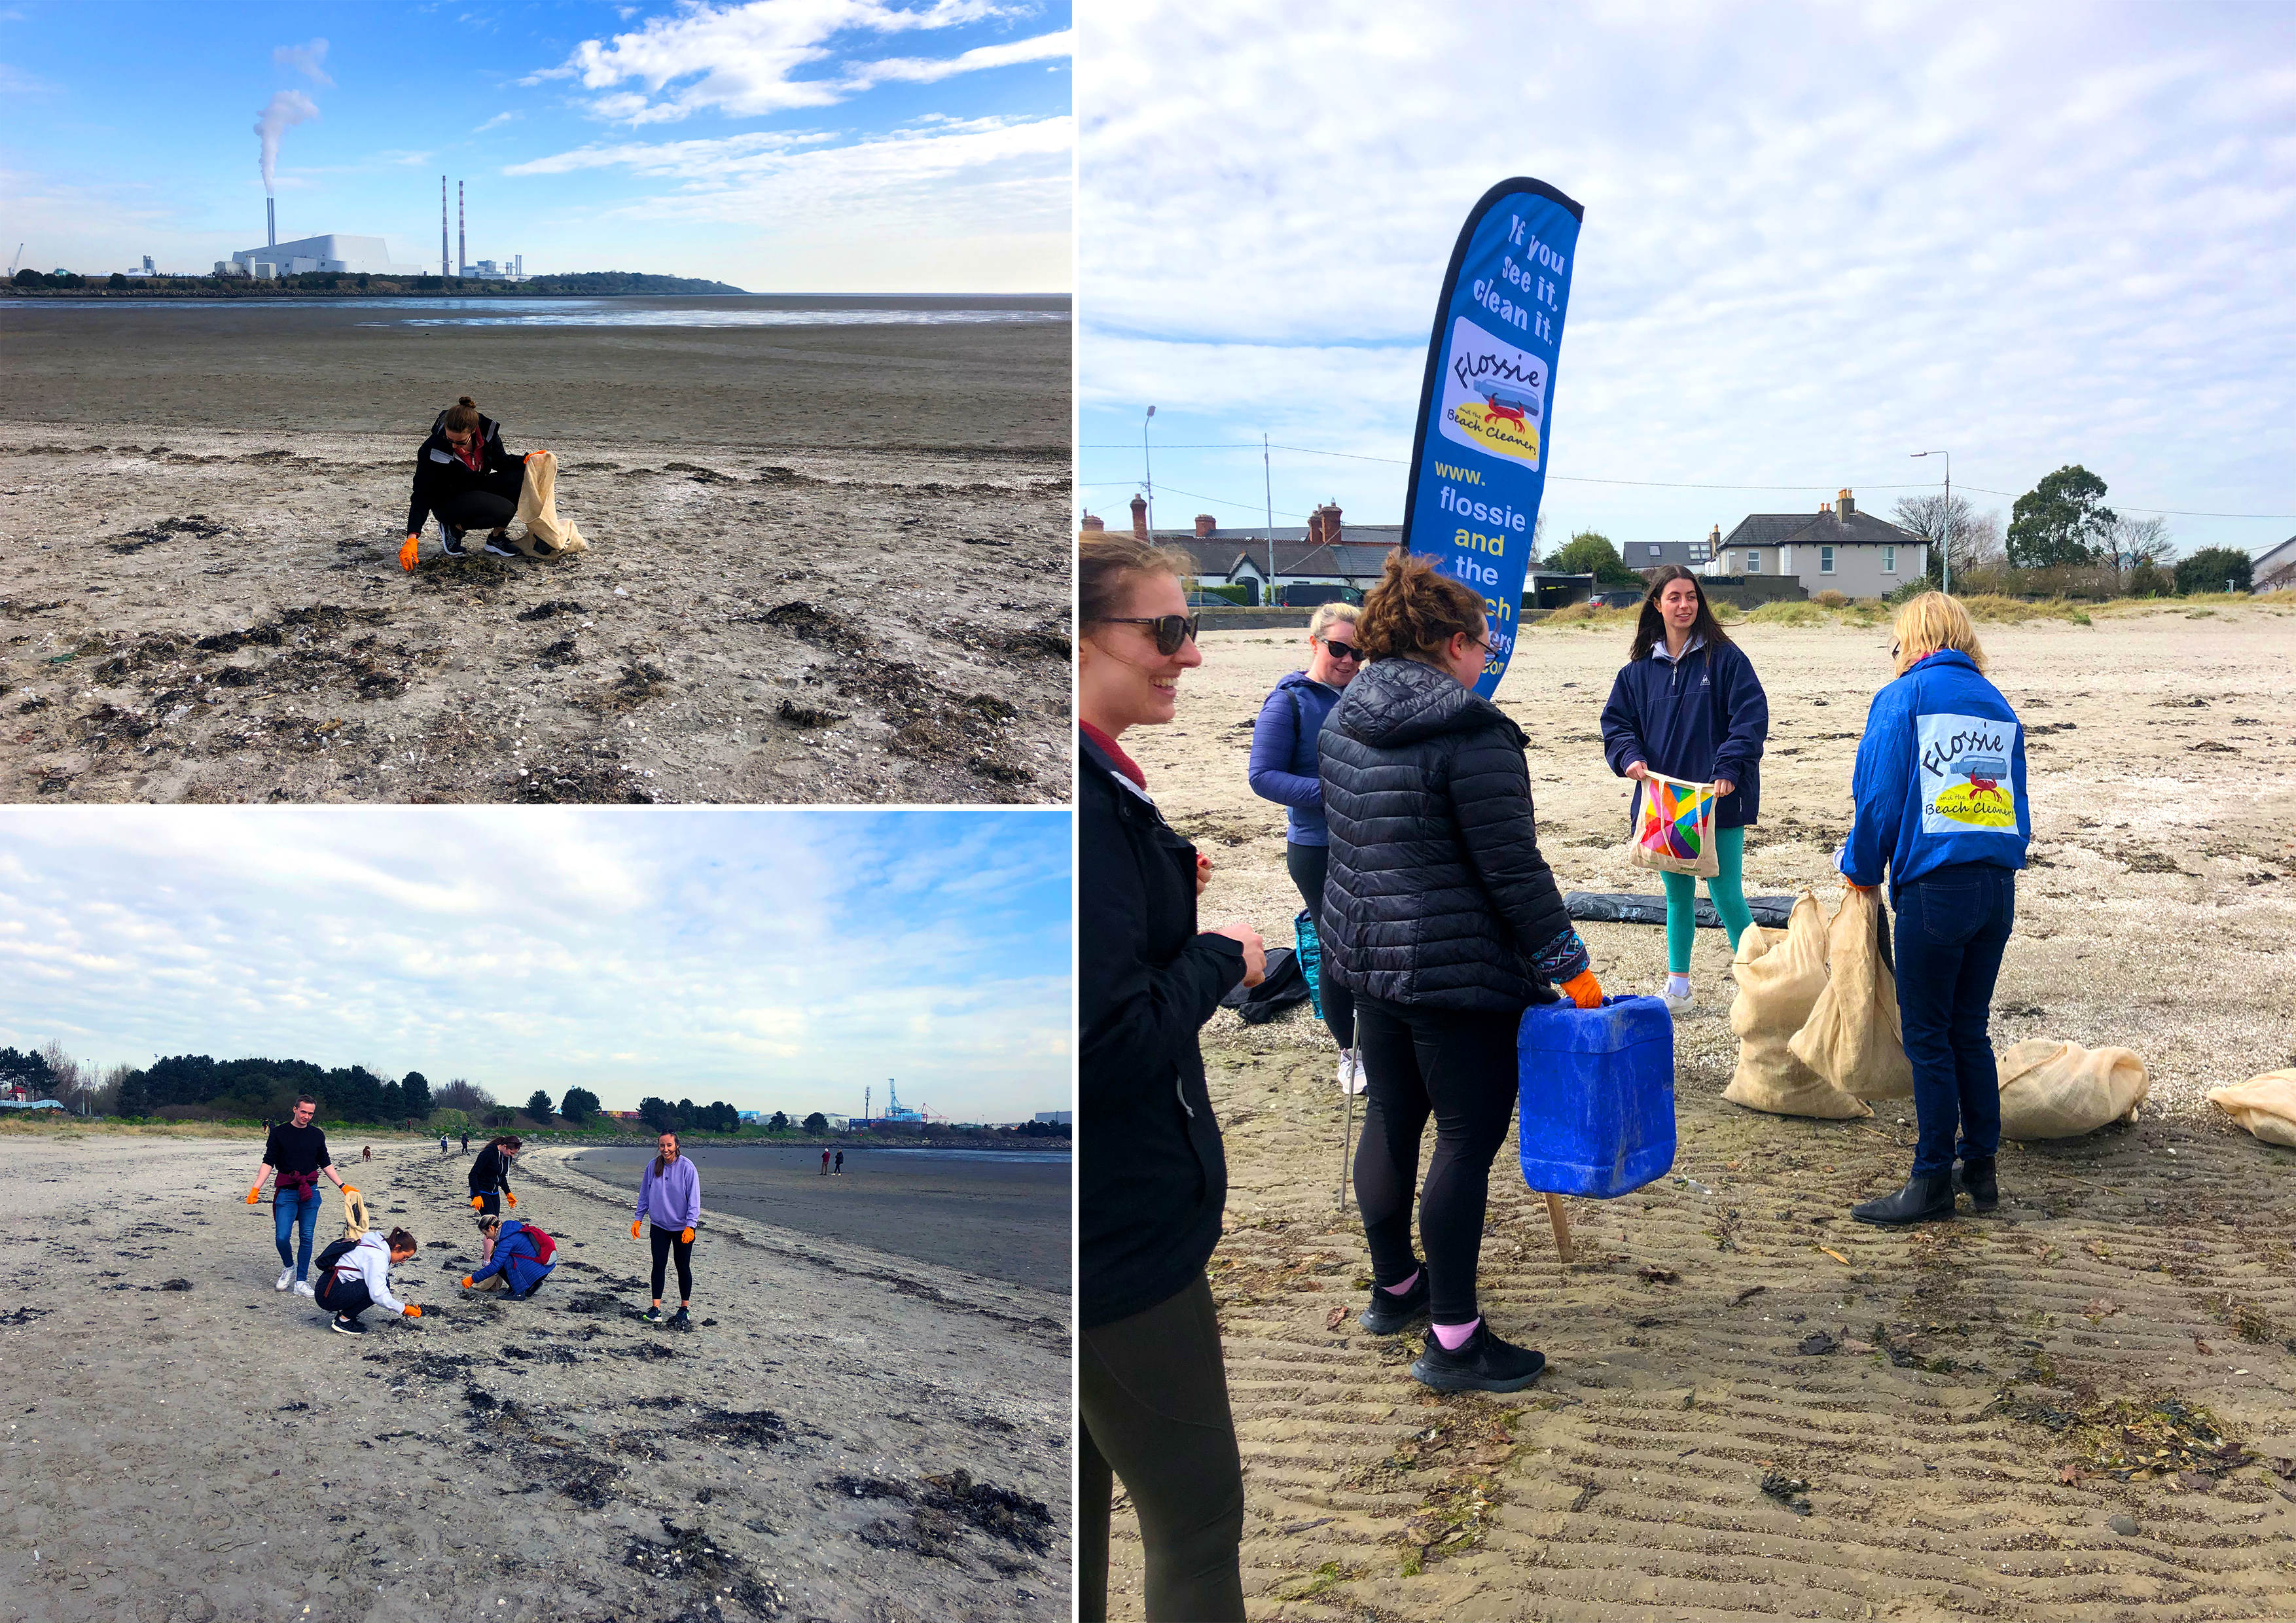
<point>1414,611</point>
<point>1105,565</point>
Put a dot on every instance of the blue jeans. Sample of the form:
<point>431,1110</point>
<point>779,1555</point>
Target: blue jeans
<point>1953,925</point>
<point>287,1210</point>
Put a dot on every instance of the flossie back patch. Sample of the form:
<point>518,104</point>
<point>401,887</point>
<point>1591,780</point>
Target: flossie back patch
<point>1965,765</point>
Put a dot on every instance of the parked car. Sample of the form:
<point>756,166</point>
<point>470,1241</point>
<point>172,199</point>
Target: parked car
<point>1303,596</point>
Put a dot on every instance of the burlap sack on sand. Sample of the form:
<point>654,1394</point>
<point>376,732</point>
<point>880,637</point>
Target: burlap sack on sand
<point>2265,1105</point>
<point>2062,1090</point>
<point>1780,976</point>
<point>354,1222</point>
<point>537,510</point>
<point>1852,1037</point>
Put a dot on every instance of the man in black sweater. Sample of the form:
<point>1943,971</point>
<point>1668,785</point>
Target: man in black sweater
<point>295,1153</point>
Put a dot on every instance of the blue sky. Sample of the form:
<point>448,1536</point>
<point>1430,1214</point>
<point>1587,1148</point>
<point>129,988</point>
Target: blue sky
<point>779,960</point>
<point>787,145</point>
<point>1817,238</point>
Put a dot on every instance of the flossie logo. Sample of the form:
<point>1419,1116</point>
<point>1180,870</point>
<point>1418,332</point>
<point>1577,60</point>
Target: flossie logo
<point>1494,395</point>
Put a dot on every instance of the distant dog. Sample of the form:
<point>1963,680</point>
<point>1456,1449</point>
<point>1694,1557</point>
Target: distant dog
<point>365,1154</point>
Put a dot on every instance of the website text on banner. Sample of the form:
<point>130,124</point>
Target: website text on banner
<point>1479,459</point>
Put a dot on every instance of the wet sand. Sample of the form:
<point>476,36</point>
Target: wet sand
<point>213,1452</point>
<point>1006,1217</point>
<point>826,564</point>
<point>1965,1442</point>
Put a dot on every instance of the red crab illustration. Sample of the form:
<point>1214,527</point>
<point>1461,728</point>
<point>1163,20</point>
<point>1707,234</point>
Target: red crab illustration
<point>1509,412</point>
<point>1990,787</point>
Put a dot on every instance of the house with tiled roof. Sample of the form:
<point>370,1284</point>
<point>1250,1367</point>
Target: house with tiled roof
<point>1839,548</point>
<point>2275,568</point>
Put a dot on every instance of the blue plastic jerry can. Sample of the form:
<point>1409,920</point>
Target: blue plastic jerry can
<point>1597,1093</point>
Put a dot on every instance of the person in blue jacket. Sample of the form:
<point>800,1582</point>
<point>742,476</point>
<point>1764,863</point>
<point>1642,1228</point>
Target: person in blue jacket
<point>513,1255</point>
<point>1940,796</point>
<point>1286,768</point>
<point>1688,705</point>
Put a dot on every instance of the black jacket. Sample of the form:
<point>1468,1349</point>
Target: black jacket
<point>1151,1175</point>
<point>490,1172</point>
<point>1437,894</point>
<point>440,475</point>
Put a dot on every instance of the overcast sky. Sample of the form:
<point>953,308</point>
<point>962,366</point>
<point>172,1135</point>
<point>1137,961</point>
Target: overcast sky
<point>1817,239</point>
<point>778,960</point>
<point>789,145</point>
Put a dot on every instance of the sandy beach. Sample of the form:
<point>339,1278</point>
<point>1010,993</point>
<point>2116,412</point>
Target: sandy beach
<point>844,1435</point>
<point>827,561</point>
<point>1969,1423</point>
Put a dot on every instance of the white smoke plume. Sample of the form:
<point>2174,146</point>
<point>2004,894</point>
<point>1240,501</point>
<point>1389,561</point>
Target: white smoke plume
<point>288,107</point>
<point>306,60</point>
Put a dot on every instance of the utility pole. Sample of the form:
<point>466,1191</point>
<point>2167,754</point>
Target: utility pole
<point>1945,520</point>
<point>1148,473</point>
<point>1269,476</point>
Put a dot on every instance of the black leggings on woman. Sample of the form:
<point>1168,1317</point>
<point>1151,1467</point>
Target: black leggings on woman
<point>665,1240</point>
<point>1154,1400</point>
<point>1460,1067</point>
<point>478,509</point>
<point>1308,864</point>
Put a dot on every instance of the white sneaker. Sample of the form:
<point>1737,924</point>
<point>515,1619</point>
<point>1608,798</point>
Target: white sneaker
<point>286,1278</point>
<point>1677,1002</point>
<point>1350,1074</point>
<point>303,1288</point>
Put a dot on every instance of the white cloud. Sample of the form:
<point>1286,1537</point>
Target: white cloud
<point>306,60</point>
<point>926,70</point>
<point>742,59</point>
<point>497,122</point>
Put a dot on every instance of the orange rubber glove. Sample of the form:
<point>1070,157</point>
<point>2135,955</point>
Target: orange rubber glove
<point>634,1228</point>
<point>411,1311</point>
<point>1854,885</point>
<point>687,1237</point>
<point>478,1202</point>
<point>255,1194</point>
<point>1584,990</point>
<point>467,1285</point>
<point>406,553</point>
<point>512,1199</point>
<point>351,1188</point>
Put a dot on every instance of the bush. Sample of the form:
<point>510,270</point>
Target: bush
<point>817,1123</point>
<point>1830,599</point>
<point>1789,614</point>
<point>2209,568</point>
<point>2151,580</point>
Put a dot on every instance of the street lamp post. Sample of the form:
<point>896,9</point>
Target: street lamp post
<point>1149,473</point>
<point>1945,523</point>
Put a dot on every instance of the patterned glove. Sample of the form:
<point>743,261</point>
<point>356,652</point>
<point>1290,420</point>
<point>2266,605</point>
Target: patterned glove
<point>687,1237</point>
<point>1584,990</point>
<point>406,553</point>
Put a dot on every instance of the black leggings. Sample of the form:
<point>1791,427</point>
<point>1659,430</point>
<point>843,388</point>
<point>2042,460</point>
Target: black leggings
<point>478,510</point>
<point>1309,863</point>
<point>664,1240</point>
<point>1460,1067</point>
<point>344,1298</point>
<point>1154,1411</point>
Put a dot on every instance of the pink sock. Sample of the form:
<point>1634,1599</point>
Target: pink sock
<point>1406,1285</point>
<point>1455,1336</point>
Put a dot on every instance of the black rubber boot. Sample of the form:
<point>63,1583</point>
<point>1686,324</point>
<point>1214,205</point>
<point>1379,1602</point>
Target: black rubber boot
<point>1484,1364</point>
<point>1976,1175</point>
<point>1389,1314</point>
<point>1924,1198</point>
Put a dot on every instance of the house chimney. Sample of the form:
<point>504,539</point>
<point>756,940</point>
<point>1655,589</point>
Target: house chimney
<point>1330,513</point>
<point>1847,506</point>
<point>1093,523</point>
<point>1315,530</point>
<point>1140,517</point>
<point>1205,525</point>
<point>1825,509</point>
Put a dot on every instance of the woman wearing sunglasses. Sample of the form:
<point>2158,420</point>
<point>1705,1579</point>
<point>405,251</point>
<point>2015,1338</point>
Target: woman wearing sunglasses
<point>1285,769</point>
<point>1444,918</point>
<point>1151,1174</point>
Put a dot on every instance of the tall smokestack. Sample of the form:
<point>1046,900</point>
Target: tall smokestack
<point>271,220</point>
<point>462,252</point>
<point>442,225</point>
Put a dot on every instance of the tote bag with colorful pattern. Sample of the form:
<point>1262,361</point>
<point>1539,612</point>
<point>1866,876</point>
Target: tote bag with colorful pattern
<point>1674,827</point>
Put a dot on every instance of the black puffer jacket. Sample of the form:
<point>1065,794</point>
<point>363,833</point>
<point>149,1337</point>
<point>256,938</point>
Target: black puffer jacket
<point>1437,894</point>
<point>440,475</point>
<point>1151,1175</point>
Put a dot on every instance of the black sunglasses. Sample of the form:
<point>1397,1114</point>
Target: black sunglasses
<point>1342,650</point>
<point>1170,630</point>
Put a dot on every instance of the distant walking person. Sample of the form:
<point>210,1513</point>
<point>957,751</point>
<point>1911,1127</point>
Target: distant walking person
<point>443,1147</point>
<point>360,1279</point>
<point>670,1194</point>
<point>841,1163</point>
<point>825,1163</point>
<point>1286,768</point>
<point>490,1176</point>
<point>466,1144</point>
<point>463,475</point>
<point>295,1154</point>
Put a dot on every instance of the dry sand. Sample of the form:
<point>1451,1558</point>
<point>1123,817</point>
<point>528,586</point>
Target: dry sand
<point>826,564</point>
<point>1974,1363</point>
<point>216,1454</point>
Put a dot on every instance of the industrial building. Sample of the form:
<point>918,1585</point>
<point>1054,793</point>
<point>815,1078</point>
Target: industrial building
<point>347,255</point>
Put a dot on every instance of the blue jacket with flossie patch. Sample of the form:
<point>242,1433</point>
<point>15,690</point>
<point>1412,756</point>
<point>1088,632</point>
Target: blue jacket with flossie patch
<point>1940,777</point>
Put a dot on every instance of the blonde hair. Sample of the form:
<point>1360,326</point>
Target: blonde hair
<point>1930,624</point>
<point>1327,614</point>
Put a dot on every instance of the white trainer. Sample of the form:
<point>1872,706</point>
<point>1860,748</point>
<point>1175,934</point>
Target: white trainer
<point>1677,1002</point>
<point>303,1288</point>
<point>286,1278</point>
<point>1350,1074</point>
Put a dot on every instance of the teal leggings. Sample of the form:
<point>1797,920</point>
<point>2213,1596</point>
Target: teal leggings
<point>1729,900</point>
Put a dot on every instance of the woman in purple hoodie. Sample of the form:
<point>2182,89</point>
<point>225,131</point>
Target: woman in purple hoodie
<point>671,1194</point>
<point>1286,768</point>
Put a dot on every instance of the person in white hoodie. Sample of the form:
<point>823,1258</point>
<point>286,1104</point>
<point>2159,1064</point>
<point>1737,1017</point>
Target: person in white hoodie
<point>361,1279</point>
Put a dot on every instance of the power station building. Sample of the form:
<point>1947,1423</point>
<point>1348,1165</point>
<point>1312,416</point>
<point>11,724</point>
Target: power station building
<point>346,255</point>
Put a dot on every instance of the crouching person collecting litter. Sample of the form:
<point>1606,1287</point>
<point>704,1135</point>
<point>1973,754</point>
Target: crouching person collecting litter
<point>1939,790</point>
<point>1445,920</point>
<point>354,1275</point>
<point>519,1255</point>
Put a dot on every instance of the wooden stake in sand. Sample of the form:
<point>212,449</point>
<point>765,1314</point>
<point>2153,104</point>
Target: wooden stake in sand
<point>1561,1226</point>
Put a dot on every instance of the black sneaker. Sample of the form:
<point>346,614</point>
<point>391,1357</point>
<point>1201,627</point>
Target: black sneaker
<point>453,544</point>
<point>1485,1364</point>
<point>682,1321</point>
<point>500,547</point>
<point>1391,1313</point>
<point>654,1315</point>
<point>347,1327</point>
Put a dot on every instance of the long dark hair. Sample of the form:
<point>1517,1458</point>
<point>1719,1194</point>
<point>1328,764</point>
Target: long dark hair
<point>1650,630</point>
<point>660,1164</point>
